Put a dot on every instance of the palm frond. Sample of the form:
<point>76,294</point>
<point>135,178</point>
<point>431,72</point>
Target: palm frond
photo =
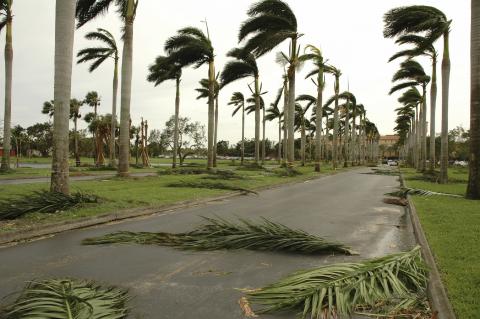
<point>404,191</point>
<point>209,185</point>
<point>391,283</point>
<point>68,298</point>
<point>219,233</point>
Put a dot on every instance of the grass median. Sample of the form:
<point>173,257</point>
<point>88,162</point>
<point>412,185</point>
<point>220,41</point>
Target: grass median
<point>452,227</point>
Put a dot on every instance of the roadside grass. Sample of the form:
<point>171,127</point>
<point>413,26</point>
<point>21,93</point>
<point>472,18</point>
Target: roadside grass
<point>452,227</point>
<point>122,193</point>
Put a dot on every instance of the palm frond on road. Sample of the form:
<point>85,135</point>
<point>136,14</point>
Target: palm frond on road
<point>386,285</point>
<point>67,298</point>
<point>219,233</point>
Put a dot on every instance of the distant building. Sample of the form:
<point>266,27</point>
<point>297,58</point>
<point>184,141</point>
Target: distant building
<point>387,146</point>
<point>12,152</point>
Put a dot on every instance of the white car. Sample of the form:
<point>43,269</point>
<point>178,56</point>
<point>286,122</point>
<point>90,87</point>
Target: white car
<point>392,163</point>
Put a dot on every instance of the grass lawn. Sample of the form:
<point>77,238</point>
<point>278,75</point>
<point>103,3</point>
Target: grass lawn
<point>452,226</point>
<point>117,193</point>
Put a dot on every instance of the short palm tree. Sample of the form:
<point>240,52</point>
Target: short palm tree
<point>244,65</point>
<point>473,188</point>
<point>162,70</point>
<point>98,55</point>
<point>6,22</point>
<point>273,112</point>
<point>272,22</point>
<point>88,10</point>
<point>190,46</point>
<point>238,102</point>
<point>64,34</point>
<point>434,23</point>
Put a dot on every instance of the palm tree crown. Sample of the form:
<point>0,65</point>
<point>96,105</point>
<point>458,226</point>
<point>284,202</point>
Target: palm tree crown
<point>88,10</point>
<point>190,46</point>
<point>98,55</point>
<point>238,101</point>
<point>164,69</point>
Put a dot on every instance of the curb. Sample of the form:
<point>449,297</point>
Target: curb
<point>52,229</point>
<point>435,289</point>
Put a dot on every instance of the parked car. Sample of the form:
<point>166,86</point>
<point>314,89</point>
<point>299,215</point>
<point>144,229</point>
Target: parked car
<point>392,163</point>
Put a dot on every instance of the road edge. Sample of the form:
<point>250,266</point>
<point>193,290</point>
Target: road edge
<point>437,294</point>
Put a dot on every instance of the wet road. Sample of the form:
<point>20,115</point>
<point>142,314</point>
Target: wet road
<point>175,284</point>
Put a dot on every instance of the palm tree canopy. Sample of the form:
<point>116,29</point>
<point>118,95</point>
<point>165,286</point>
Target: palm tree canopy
<point>243,65</point>
<point>190,46</point>
<point>413,72</point>
<point>88,10</point>
<point>203,89</point>
<point>98,55</point>
<point>410,96</point>
<point>420,48</point>
<point>75,108</point>
<point>92,99</point>
<point>416,19</point>
<point>238,101</point>
<point>271,22</point>
<point>6,13</point>
<point>251,104</point>
<point>164,69</point>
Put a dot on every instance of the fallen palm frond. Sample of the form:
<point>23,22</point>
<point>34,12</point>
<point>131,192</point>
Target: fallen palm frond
<point>286,172</point>
<point>43,202</point>
<point>66,298</point>
<point>209,185</point>
<point>387,172</point>
<point>251,167</point>
<point>385,285</point>
<point>404,191</point>
<point>219,233</point>
<point>395,201</point>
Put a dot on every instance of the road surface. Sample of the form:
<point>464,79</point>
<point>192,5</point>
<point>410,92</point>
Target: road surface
<point>173,284</point>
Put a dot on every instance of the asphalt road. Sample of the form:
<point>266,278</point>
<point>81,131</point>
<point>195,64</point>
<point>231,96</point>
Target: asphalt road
<point>174,284</point>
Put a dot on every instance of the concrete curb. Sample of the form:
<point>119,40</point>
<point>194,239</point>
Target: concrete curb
<point>52,229</point>
<point>435,290</point>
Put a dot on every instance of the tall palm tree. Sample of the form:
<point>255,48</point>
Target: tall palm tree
<point>238,101</point>
<point>272,22</point>
<point>411,99</point>
<point>336,121</point>
<point>75,115</point>
<point>473,188</point>
<point>88,10</point>
<point>244,65</point>
<point>317,58</point>
<point>427,50</point>
<point>301,123</point>
<point>98,55</point>
<point>92,99</point>
<point>420,19</point>
<point>273,112</point>
<point>191,46</point>
<point>6,22</point>
<point>165,69</point>
<point>64,34</point>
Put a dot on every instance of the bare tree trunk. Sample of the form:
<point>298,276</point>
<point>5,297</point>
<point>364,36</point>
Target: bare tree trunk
<point>114,114</point>
<point>126,94</point>
<point>445,89</point>
<point>75,140</point>
<point>423,134</point>
<point>64,35</point>
<point>175,129</point>
<point>347,133</point>
<point>302,142</point>
<point>473,188</point>
<point>433,102</point>
<point>7,120</point>
<point>211,113</point>
<point>279,154</point>
<point>257,121</point>
<point>291,106</point>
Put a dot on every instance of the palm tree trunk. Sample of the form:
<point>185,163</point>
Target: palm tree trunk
<point>211,113</point>
<point>318,119</point>
<point>257,121</point>
<point>114,114</point>
<point>291,105</point>
<point>279,154</point>
<point>445,89</point>
<point>285,120</point>
<point>75,140</point>
<point>126,92</point>
<point>347,133</point>
<point>175,129</point>
<point>302,141</point>
<point>243,135</point>
<point>263,137</point>
<point>64,35</point>
<point>7,120</point>
<point>335,124</point>
<point>216,133</point>
<point>433,102</point>
<point>473,188</point>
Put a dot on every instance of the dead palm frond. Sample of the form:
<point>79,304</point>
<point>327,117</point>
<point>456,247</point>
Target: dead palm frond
<point>404,191</point>
<point>388,284</point>
<point>210,185</point>
<point>43,202</point>
<point>219,233</point>
<point>67,298</point>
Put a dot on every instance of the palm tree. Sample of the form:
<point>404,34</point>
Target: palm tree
<point>75,115</point>
<point>244,65</point>
<point>238,101</point>
<point>98,55</point>
<point>411,99</point>
<point>273,112</point>
<point>473,188</point>
<point>88,10</point>
<point>271,22</point>
<point>165,69</point>
<point>6,22</point>
<point>93,100</point>
<point>429,51</point>
<point>336,121</point>
<point>433,22</point>
<point>64,34</point>
<point>301,122</point>
<point>192,46</point>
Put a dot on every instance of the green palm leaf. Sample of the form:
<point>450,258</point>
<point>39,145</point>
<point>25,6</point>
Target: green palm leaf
<point>391,283</point>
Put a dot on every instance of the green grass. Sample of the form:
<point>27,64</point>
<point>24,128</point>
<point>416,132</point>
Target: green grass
<point>118,193</point>
<point>452,226</point>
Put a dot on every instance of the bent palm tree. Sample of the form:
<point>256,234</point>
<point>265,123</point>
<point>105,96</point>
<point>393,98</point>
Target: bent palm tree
<point>244,65</point>
<point>192,46</point>
<point>88,10</point>
<point>238,101</point>
<point>6,22</point>
<point>271,22</point>
<point>165,69</point>
<point>98,55</point>
<point>434,23</point>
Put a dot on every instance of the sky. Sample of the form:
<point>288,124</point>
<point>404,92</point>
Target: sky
<point>349,32</point>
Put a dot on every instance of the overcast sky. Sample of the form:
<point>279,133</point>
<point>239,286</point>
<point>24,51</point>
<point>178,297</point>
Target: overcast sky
<point>348,31</point>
